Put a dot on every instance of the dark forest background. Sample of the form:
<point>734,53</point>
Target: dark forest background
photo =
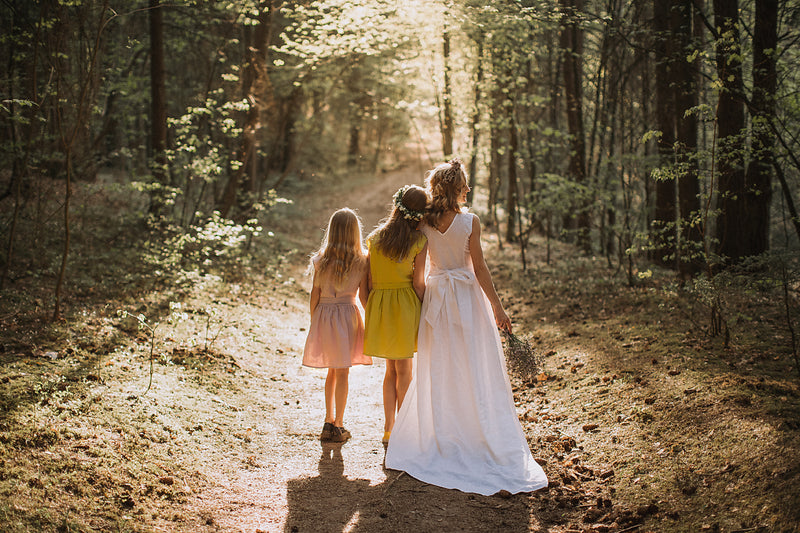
<point>654,133</point>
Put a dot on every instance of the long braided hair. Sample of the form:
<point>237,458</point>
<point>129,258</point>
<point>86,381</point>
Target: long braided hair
<point>445,184</point>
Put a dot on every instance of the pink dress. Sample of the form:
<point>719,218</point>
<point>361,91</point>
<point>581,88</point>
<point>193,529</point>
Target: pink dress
<point>336,335</point>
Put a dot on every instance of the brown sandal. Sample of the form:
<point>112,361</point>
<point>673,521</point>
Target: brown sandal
<point>339,434</point>
<point>327,431</point>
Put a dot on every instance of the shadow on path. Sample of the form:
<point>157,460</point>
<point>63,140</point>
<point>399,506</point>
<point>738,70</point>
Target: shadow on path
<point>327,502</point>
<point>332,502</point>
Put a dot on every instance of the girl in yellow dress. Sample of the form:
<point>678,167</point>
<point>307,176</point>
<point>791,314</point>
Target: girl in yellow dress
<point>396,282</point>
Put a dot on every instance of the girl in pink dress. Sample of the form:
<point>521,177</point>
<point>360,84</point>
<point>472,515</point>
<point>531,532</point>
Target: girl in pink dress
<point>336,336</point>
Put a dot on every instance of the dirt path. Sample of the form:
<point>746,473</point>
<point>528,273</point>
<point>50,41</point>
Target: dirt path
<point>224,439</point>
<point>267,470</point>
<point>276,475</point>
<point>640,422</point>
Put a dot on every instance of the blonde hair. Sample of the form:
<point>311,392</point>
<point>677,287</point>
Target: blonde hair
<point>398,232</point>
<point>445,184</point>
<point>341,249</point>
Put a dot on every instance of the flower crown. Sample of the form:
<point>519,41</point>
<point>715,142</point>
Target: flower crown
<point>408,214</point>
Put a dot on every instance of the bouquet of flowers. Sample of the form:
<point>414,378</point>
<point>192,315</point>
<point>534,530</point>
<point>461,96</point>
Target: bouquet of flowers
<point>521,358</point>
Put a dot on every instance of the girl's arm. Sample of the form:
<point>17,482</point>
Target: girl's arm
<point>365,286</point>
<point>316,288</point>
<point>484,277</point>
<point>418,281</point>
<point>316,291</point>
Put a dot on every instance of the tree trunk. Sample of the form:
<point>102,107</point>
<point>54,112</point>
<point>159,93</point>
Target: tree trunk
<point>758,182</point>
<point>532,121</point>
<point>664,233</point>
<point>614,118</point>
<point>476,118</point>
<point>256,89</point>
<point>62,270</point>
<point>15,182</point>
<point>732,222</point>
<point>599,116</point>
<point>511,190</point>
<point>787,196</point>
<point>686,98</point>
<point>572,47</point>
<point>12,233</point>
<point>357,110</point>
<point>447,120</point>
<point>284,145</point>
<point>353,149</point>
<point>495,158</point>
<point>158,102</point>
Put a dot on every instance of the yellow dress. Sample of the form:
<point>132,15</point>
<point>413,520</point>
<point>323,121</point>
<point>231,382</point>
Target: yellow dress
<point>393,309</point>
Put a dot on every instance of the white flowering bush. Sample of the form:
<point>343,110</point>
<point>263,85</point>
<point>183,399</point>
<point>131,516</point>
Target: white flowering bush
<point>212,243</point>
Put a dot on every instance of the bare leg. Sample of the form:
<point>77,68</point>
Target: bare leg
<point>403,369</point>
<point>389,394</point>
<point>341,389</point>
<point>330,385</point>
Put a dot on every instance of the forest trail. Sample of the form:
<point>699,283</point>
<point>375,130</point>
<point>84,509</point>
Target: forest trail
<point>630,417</point>
<point>270,473</point>
<point>275,475</point>
<point>669,395</point>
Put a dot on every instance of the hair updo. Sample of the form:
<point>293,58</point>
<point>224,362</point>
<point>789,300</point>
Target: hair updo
<point>445,184</point>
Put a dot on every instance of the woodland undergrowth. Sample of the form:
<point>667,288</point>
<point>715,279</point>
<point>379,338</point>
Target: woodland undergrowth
<point>682,398</point>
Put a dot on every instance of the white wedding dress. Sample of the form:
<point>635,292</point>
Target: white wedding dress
<point>458,426</point>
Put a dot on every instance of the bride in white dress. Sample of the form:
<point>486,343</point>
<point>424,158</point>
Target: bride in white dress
<point>458,426</point>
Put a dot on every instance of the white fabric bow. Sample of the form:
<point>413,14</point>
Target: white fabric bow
<point>452,290</point>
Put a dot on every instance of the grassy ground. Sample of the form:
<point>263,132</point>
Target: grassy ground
<point>642,421</point>
<point>686,432</point>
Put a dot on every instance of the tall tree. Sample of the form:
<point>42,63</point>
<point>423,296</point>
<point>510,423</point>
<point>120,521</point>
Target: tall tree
<point>21,64</point>
<point>572,49</point>
<point>447,97</point>
<point>732,222</point>
<point>686,100</point>
<point>74,101</point>
<point>512,187</point>
<point>758,183</point>
<point>476,114</point>
<point>356,114</point>
<point>496,130</point>
<point>158,98</point>
<point>664,216</point>
<point>256,91</point>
